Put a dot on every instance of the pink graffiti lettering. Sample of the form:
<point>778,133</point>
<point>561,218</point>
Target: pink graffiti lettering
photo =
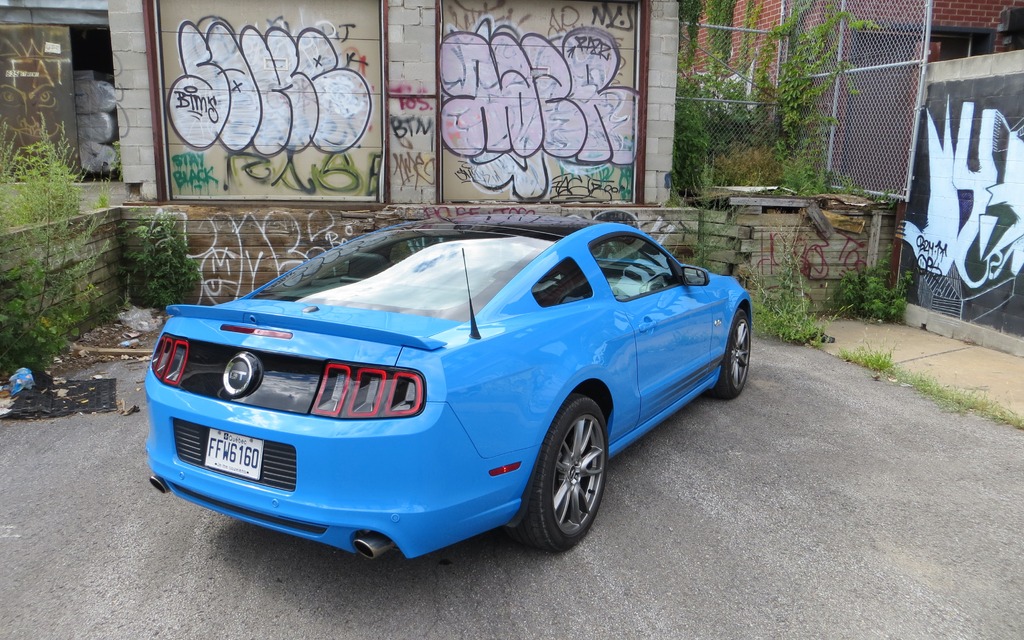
<point>517,96</point>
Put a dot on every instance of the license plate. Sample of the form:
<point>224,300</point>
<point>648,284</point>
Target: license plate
<point>232,453</point>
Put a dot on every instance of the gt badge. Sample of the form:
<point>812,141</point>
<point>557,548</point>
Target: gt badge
<point>242,374</point>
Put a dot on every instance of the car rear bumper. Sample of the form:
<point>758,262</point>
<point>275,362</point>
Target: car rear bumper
<point>419,481</point>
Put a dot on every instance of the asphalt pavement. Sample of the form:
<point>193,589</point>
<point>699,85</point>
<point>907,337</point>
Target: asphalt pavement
<point>821,503</point>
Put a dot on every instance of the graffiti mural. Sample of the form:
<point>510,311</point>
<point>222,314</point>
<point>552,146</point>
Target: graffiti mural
<point>37,94</point>
<point>964,229</point>
<point>539,101</point>
<point>262,104</point>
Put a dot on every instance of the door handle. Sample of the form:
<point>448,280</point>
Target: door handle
<point>646,325</point>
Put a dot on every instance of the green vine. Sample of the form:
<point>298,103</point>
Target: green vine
<point>809,71</point>
<point>783,139</point>
<point>690,12</point>
<point>720,12</point>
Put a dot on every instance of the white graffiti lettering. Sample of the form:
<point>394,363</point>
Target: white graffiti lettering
<point>241,253</point>
<point>975,220</point>
<point>271,91</point>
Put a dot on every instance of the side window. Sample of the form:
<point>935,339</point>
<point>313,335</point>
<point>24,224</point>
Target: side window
<point>564,283</point>
<point>633,266</point>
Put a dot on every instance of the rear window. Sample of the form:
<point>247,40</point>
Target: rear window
<point>410,271</point>
<point>565,283</point>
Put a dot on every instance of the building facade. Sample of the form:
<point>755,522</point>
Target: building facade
<point>404,102</point>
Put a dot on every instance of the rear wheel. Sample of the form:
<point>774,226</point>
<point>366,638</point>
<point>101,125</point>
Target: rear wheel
<point>567,485</point>
<point>736,362</point>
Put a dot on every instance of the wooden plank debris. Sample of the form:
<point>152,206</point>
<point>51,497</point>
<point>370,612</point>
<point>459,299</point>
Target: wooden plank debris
<point>821,223</point>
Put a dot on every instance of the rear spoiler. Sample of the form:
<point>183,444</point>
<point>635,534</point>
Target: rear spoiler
<point>303,323</point>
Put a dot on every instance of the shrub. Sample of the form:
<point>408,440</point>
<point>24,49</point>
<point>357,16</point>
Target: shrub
<point>157,270</point>
<point>40,184</point>
<point>44,266</point>
<point>866,294</point>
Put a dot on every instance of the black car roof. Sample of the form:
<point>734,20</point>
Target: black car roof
<point>531,225</point>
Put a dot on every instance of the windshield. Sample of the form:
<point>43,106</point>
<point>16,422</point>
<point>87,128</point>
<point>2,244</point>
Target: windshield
<point>411,271</point>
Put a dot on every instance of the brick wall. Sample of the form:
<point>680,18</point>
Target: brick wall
<point>970,13</point>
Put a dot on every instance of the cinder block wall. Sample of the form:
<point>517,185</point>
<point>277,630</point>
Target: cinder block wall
<point>131,76</point>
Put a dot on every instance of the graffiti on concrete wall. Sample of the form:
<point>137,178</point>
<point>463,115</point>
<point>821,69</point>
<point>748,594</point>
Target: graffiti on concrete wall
<point>239,252</point>
<point>412,115</point>
<point>964,229</point>
<point>275,107</point>
<point>539,102</point>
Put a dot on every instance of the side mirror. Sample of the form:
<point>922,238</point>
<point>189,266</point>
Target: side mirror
<point>695,276</point>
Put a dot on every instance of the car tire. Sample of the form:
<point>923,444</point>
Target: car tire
<point>736,361</point>
<point>566,488</point>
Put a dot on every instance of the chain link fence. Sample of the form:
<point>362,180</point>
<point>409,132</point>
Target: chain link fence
<point>726,131</point>
<point>875,98</point>
<point>869,106</point>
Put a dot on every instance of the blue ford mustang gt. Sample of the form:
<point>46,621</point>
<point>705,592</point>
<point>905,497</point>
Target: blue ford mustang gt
<point>437,379</point>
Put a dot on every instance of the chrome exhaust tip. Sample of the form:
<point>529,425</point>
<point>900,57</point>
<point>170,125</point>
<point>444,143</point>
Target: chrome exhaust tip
<point>158,484</point>
<point>373,545</point>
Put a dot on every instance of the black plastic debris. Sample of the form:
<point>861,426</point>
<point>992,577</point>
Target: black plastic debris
<point>66,398</point>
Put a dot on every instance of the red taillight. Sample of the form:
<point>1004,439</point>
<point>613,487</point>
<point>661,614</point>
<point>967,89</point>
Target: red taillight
<point>169,359</point>
<point>352,391</point>
<point>330,397</point>
<point>406,397</point>
<point>367,391</point>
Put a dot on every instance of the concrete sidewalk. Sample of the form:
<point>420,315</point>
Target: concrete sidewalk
<point>953,363</point>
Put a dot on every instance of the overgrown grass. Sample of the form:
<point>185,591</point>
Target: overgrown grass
<point>786,316</point>
<point>878,361</point>
<point>949,398</point>
<point>747,166</point>
<point>782,308</point>
<point>44,289</point>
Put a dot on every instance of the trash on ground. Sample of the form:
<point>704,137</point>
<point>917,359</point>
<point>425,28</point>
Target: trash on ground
<point>64,398</point>
<point>139,319</point>
<point>21,380</point>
